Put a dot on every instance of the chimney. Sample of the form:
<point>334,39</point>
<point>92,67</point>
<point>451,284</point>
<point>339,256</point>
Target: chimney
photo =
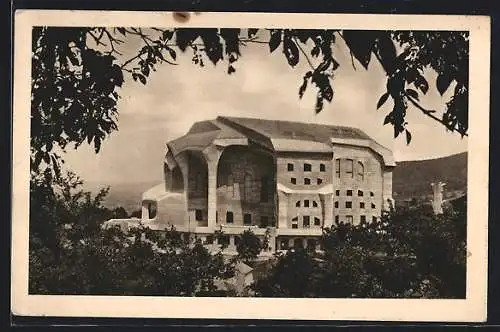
<point>437,201</point>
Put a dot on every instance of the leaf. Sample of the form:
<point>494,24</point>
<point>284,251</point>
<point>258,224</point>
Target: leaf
<point>230,70</point>
<point>167,34</point>
<point>443,82</point>
<point>412,93</point>
<point>172,53</point>
<point>382,100</point>
<point>291,52</point>
<point>141,78</point>
<point>421,83</point>
<point>303,88</point>
<point>386,51</point>
<point>388,118</point>
<point>360,44</point>
<point>408,137</point>
<point>275,40</point>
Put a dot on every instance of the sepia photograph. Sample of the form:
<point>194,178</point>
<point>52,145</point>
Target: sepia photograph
<point>182,157</point>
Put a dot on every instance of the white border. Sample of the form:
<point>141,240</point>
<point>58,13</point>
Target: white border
<point>473,309</point>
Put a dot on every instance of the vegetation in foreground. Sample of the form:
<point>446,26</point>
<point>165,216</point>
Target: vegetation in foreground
<point>408,253</point>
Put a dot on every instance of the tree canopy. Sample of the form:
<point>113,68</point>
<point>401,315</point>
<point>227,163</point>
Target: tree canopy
<point>77,72</point>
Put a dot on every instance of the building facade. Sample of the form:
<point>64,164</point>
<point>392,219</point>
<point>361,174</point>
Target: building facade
<point>290,179</point>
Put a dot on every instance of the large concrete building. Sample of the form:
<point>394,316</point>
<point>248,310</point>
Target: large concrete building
<point>289,178</point>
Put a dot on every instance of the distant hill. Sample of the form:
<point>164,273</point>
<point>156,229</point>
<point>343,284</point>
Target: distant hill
<point>412,179</point>
<point>127,195</point>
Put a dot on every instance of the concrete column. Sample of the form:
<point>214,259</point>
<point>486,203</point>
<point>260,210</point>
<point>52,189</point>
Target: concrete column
<point>282,210</point>
<point>212,155</point>
<point>328,209</point>
<point>183,164</point>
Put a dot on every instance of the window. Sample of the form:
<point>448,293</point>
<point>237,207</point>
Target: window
<point>198,215</point>
<point>322,167</point>
<point>337,204</point>
<point>361,171</point>
<point>373,205</point>
<point>349,192</point>
<point>372,194</point>
<point>319,181</point>
<point>209,239</point>
<point>317,222</point>
<point>348,205</point>
<point>349,165</point>
<point>374,219</point>
<point>337,167</point>
<point>264,221</point>
<point>295,223</point>
<point>293,181</point>
<point>306,203</point>
<point>307,167</point>
<point>229,217</point>
<point>264,189</point>
<point>336,219</point>
<point>361,205</point>
<point>348,219</point>
<point>315,204</point>
<point>360,193</point>
<point>290,167</point>
<point>248,187</point>
<point>362,219</point>
<point>297,204</point>
<point>307,181</point>
<point>237,240</point>
<point>152,210</point>
<point>337,192</point>
<point>247,219</point>
<point>306,220</point>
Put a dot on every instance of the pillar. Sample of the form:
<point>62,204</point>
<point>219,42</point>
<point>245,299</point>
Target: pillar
<point>212,155</point>
<point>387,188</point>
<point>282,210</point>
<point>328,210</point>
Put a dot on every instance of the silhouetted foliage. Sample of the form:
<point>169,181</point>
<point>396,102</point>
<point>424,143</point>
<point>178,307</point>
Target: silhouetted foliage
<point>407,253</point>
<point>77,72</point>
<point>249,246</point>
<point>70,252</point>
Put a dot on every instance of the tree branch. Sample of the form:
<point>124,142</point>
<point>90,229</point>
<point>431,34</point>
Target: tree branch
<point>429,113</point>
<point>304,53</point>
<point>350,52</point>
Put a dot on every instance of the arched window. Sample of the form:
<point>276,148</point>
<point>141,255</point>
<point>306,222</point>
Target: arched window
<point>297,204</point>
<point>247,183</point>
<point>349,167</point>
<point>315,204</point>
<point>361,171</point>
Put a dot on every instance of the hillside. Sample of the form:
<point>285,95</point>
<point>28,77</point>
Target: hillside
<point>412,179</point>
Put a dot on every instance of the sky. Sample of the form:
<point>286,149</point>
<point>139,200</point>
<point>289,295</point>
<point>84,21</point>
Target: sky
<point>263,86</point>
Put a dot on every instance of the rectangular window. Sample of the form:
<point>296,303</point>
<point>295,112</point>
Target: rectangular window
<point>372,194</point>
<point>373,205</point>
<point>293,181</point>
<point>209,239</point>
<point>337,167</point>
<point>198,215</point>
<point>349,192</point>
<point>306,221</point>
<point>297,204</point>
<point>306,203</point>
<point>307,181</point>
<point>348,219</point>
<point>362,219</point>
<point>322,167</point>
<point>295,226</point>
<point>264,221</point>
<point>348,205</point>
<point>337,204</point>
<point>349,167</point>
<point>317,222</point>
<point>307,167</point>
<point>229,217</point>
<point>336,219</point>
<point>374,219</point>
<point>360,193</point>
<point>151,210</point>
<point>247,219</point>
<point>337,192</point>
<point>319,181</point>
<point>315,204</point>
<point>290,167</point>
<point>223,239</point>
<point>361,205</point>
